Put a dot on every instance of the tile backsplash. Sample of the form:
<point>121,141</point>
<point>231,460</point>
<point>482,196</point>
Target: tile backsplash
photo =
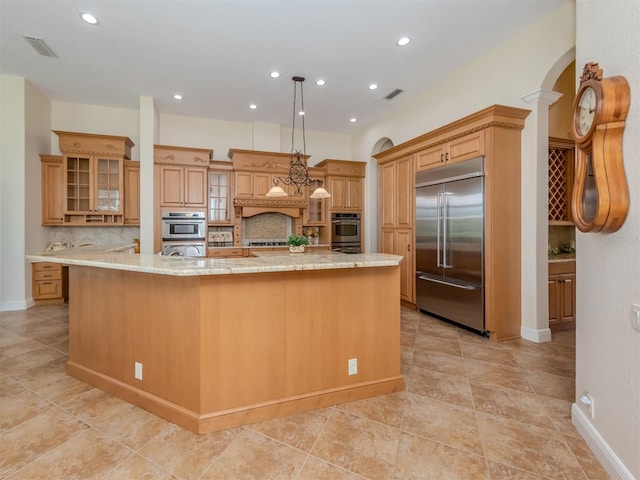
<point>560,235</point>
<point>93,235</point>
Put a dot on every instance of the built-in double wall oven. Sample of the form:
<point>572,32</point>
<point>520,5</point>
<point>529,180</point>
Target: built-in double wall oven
<point>184,234</point>
<point>346,232</point>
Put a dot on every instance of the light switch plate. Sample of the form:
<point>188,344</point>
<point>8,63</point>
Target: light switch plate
<point>635,319</point>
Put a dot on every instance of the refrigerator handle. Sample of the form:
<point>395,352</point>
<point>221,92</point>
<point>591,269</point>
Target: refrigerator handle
<point>445,216</point>
<point>438,220</point>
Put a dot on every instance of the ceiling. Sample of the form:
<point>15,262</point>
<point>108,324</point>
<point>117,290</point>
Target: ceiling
<point>218,53</point>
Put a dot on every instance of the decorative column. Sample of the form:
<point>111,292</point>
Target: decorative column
<point>535,180</point>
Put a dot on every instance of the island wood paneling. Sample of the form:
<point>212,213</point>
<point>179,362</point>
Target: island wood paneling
<point>223,350</point>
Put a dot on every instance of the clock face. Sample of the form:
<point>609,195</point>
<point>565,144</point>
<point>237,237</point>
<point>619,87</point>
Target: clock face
<point>586,111</point>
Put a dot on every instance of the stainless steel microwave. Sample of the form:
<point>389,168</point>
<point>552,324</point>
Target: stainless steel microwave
<point>183,226</point>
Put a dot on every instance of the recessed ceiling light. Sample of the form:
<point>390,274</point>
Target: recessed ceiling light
<point>373,86</point>
<point>301,113</point>
<point>87,17</point>
<point>320,82</point>
<point>403,41</point>
<point>353,120</point>
<point>177,96</point>
<point>274,74</point>
<point>253,106</point>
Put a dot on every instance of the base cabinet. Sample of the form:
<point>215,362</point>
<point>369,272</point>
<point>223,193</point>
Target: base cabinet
<point>400,242</point>
<point>46,281</point>
<point>562,296</point>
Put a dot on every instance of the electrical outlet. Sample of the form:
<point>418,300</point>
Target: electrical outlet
<point>353,366</point>
<point>138,370</point>
<point>587,400</point>
<point>635,319</point>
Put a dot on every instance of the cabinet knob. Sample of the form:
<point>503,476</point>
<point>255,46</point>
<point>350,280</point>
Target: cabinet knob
<point>446,156</point>
<point>442,157</point>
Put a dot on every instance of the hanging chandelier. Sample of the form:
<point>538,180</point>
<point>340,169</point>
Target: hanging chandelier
<point>298,171</point>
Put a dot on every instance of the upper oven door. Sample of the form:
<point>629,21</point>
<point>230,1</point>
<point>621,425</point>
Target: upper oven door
<point>345,231</point>
<point>183,229</point>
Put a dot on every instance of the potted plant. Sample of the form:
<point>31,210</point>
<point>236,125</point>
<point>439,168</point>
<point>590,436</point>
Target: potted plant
<point>296,243</point>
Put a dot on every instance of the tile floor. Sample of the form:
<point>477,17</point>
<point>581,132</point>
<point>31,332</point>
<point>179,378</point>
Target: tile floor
<point>471,410</point>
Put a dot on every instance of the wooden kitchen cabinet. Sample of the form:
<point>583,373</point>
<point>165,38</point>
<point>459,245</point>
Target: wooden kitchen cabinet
<point>52,189</point>
<point>182,186</point>
<point>495,133</point>
<point>345,183</point>
<point>396,205</point>
<point>131,192</point>
<point>315,215</point>
<point>456,150</point>
<point>46,282</point>
<point>93,179</point>
<point>182,175</point>
<point>562,295</point>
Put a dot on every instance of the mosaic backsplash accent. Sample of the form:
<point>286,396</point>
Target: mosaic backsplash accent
<point>267,226</point>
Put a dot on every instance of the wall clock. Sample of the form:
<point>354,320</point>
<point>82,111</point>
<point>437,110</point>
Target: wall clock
<point>600,199</point>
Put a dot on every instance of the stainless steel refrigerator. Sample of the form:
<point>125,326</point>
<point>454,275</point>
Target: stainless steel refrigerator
<point>450,243</point>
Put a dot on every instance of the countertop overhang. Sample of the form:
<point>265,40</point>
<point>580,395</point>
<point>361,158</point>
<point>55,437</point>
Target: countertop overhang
<point>262,262</point>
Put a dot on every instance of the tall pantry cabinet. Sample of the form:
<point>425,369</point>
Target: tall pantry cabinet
<point>495,134</point>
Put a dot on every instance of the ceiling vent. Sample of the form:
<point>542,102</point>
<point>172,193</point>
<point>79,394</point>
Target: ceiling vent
<point>39,46</point>
<point>396,92</point>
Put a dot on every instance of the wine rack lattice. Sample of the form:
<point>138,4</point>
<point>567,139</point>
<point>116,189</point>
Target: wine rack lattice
<point>558,185</point>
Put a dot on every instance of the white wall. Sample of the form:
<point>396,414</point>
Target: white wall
<point>37,141</point>
<point>502,75</point>
<point>12,193</point>
<point>608,266</point>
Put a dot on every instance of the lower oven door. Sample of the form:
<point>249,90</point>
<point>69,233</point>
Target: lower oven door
<point>184,249</point>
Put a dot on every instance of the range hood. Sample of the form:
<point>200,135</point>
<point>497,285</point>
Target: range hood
<point>251,206</point>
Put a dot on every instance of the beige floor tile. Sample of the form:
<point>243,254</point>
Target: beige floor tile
<point>133,426</point>
<point>36,437</point>
<point>487,353</point>
<point>437,328</point>
<point>51,381</point>
<point>28,356</point>
<point>550,385</point>
<point>406,355</point>
<point>19,321</point>
<point>557,365</point>
<point>316,469</point>
<point>442,422</point>
<point>422,459</point>
<point>186,454</point>
<point>439,362</point>
<point>95,406</point>
<point>87,456</point>
<point>359,445</point>
<point>503,375</point>
<point>49,332</point>
<point>440,386</point>
<point>589,463</point>
<point>527,447</point>
<point>407,339</point>
<point>430,343</point>
<point>254,456</point>
<point>500,471</point>
<point>138,468</point>
<point>17,404</point>
<point>509,403</point>
<point>385,409</point>
<point>560,412</point>
<point>299,431</point>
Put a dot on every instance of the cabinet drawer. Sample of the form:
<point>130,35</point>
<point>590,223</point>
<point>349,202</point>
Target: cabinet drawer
<point>225,252</point>
<point>47,267</point>
<point>47,275</point>
<point>44,290</point>
<point>558,268</point>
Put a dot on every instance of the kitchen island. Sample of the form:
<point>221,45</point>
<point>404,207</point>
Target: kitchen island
<point>214,343</point>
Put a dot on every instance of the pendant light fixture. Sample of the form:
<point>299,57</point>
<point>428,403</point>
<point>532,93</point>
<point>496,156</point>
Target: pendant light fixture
<point>298,171</point>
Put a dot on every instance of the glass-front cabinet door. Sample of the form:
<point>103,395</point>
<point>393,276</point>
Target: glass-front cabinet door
<point>108,185</point>
<point>219,197</point>
<point>78,170</point>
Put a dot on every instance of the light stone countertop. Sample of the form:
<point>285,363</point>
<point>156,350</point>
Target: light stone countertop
<point>262,262</point>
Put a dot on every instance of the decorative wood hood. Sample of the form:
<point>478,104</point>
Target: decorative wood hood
<point>254,174</point>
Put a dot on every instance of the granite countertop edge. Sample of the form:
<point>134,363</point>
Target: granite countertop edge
<point>194,266</point>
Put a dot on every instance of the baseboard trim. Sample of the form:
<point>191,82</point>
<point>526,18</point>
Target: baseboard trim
<point>537,336</point>
<point>207,422</point>
<point>600,448</point>
<point>18,305</point>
